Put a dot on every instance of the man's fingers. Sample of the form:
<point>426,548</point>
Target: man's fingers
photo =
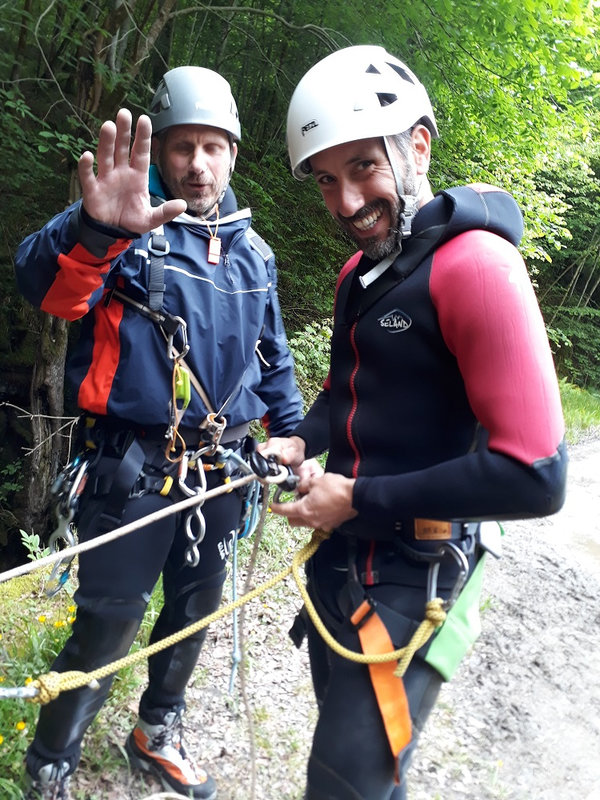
<point>105,154</point>
<point>165,212</point>
<point>122,141</point>
<point>85,170</point>
<point>140,150</point>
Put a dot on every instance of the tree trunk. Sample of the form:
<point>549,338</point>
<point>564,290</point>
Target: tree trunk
<point>49,447</point>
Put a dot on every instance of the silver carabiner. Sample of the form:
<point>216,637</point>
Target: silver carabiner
<point>463,572</point>
<point>185,347</point>
<point>64,531</point>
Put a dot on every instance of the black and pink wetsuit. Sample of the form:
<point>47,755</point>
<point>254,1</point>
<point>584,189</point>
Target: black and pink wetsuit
<point>443,402</point>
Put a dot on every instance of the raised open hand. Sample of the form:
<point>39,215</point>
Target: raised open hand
<point>118,194</point>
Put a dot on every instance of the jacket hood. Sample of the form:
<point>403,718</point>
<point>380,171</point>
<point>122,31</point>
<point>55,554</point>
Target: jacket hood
<point>464,208</point>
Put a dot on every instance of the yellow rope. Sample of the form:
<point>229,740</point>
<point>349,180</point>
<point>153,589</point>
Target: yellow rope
<point>434,617</point>
<point>50,685</point>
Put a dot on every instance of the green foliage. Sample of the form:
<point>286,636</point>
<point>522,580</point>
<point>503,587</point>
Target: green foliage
<point>576,336</point>
<point>33,544</point>
<point>310,348</point>
<point>33,630</point>
<point>581,410</point>
<point>291,216</point>
<point>11,480</point>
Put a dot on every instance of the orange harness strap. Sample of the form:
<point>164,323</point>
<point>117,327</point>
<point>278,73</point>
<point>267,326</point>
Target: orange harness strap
<point>389,689</point>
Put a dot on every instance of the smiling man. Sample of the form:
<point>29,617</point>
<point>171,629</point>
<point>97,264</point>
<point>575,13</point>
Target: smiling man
<point>441,409</point>
<point>157,260</point>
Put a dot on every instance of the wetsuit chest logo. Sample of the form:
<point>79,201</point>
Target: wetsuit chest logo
<point>395,321</point>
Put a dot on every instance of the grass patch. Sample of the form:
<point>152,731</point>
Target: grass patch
<point>581,410</point>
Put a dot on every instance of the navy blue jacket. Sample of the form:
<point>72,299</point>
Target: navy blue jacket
<point>120,366</point>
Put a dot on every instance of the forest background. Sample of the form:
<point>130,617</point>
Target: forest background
<point>514,85</point>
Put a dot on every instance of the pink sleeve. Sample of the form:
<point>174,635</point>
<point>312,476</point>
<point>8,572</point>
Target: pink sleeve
<point>491,322</point>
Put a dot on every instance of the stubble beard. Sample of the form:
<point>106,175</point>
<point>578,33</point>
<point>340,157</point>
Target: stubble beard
<point>375,248</point>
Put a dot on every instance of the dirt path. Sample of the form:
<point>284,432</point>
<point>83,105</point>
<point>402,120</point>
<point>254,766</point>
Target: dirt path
<point>520,721</point>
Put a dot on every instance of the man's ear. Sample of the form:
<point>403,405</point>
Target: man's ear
<point>421,145</point>
<point>234,152</point>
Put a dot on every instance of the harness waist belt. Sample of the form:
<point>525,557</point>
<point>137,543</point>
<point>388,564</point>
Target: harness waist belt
<point>411,531</point>
<point>158,432</point>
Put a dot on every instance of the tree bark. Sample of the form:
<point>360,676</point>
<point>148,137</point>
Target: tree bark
<point>50,448</point>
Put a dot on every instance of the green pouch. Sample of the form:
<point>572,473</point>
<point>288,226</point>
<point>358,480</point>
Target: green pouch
<point>461,628</point>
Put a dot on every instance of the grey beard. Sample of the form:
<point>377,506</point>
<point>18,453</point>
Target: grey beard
<point>378,250</point>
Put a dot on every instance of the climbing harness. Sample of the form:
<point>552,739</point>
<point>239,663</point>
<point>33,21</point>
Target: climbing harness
<point>172,327</point>
<point>66,490</point>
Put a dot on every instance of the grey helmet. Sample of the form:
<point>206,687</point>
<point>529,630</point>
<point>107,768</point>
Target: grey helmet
<point>194,96</point>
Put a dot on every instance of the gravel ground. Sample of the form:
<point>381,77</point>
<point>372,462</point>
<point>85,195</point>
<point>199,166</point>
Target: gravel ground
<point>520,720</point>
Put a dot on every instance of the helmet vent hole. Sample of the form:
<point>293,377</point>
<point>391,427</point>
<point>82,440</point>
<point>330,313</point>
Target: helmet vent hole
<point>386,99</point>
<point>372,70</point>
<point>402,72</point>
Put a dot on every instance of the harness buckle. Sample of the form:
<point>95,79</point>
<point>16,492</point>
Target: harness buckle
<point>211,431</point>
<point>159,245</point>
<point>448,548</point>
<point>363,613</point>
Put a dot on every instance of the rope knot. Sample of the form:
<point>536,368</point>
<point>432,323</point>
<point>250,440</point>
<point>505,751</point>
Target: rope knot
<point>48,687</point>
<point>434,612</point>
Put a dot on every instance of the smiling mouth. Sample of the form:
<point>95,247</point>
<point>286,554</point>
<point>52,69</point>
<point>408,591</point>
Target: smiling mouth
<point>368,220</point>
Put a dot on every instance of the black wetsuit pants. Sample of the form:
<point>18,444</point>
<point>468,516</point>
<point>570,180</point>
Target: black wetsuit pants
<point>350,757</point>
<point>115,584</point>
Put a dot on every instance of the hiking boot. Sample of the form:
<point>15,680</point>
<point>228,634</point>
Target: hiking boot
<point>158,749</point>
<point>51,783</point>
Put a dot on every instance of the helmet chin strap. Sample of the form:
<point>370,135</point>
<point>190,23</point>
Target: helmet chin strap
<point>410,207</point>
<point>409,202</point>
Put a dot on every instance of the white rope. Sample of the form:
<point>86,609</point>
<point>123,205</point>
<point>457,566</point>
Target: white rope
<point>189,502</point>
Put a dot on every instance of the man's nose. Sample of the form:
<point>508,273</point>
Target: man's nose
<point>198,160</point>
<point>350,199</point>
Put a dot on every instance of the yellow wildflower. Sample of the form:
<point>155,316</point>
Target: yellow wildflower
<point>1,739</point>
<point>20,726</point>
<point>28,681</point>
<point>42,618</point>
<point>60,623</point>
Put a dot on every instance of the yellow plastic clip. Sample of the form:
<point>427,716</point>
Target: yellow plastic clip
<point>166,488</point>
<point>183,390</point>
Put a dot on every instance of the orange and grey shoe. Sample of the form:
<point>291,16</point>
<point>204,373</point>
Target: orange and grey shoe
<point>158,749</point>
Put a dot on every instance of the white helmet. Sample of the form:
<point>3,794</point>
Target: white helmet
<point>194,96</point>
<point>359,92</point>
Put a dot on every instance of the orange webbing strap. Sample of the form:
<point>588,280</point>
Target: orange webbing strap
<point>389,689</point>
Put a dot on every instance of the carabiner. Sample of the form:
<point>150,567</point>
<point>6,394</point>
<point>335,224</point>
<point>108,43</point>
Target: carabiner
<point>64,531</point>
<point>289,485</point>
<point>463,572</point>
<point>185,348</point>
